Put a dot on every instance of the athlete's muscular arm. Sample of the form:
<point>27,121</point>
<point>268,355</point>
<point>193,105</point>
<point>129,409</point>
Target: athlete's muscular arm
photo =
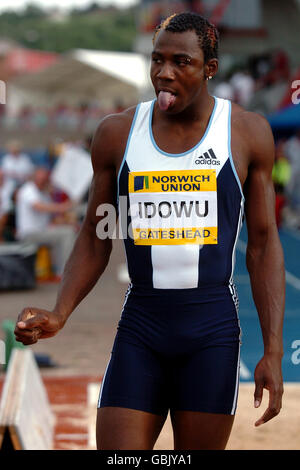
<point>265,262</point>
<point>90,254</point>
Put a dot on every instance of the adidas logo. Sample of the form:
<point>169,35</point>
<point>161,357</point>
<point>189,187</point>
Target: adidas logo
<point>208,158</point>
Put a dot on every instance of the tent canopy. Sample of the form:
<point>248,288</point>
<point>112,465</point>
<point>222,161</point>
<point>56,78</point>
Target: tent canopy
<point>85,76</point>
<point>127,67</point>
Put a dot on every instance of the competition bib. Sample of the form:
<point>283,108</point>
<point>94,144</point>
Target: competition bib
<point>173,207</point>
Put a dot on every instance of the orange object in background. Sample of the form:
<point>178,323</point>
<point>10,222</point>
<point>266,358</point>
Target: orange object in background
<point>43,267</point>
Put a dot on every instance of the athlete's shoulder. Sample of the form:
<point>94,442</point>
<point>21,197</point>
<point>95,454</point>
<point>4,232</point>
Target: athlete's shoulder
<point>249,121</point>
<point>254,130</point>
<point>116,122</point>
<point>110,137</point>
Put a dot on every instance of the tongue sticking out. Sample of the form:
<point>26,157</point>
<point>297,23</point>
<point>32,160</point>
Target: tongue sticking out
<point>165,100</point>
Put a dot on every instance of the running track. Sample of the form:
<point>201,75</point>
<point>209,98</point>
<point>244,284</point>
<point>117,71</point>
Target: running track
<point>252,344</point>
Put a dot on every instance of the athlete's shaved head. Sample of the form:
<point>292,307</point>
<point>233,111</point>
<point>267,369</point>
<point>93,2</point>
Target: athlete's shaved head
<point>207,33</point>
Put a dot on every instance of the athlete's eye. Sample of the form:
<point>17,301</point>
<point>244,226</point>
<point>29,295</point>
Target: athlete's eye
<point>183,61</point>
<point>156,60</point>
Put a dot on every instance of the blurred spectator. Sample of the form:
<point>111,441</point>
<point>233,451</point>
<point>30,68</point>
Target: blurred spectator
<point>6,204</point>
<point>224,90</point>
<point>260,65</point>
<point>270,68</point>
<point>25,117</point>
<point>16,166</point>
<point>243,87</point>
<point>292,151</point>
<point>39,119</point>
<point>282,169</point>
<point>279,68</point>
<point>53,152</point>
<point>34,210</point>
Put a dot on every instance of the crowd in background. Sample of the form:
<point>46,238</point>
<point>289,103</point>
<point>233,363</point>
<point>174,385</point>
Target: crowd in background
<point>84,117</point>
<point>32,209</point>
<point>260,72</point>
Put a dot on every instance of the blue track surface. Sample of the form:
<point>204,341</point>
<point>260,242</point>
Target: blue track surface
<point>252,344</point>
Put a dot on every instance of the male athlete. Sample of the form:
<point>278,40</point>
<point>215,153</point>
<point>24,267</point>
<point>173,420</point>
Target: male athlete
<point>189,165</point>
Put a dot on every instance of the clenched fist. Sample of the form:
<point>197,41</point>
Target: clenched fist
<point>34,324</point>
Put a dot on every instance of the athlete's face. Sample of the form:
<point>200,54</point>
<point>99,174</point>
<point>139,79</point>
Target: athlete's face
<point>178,67</point>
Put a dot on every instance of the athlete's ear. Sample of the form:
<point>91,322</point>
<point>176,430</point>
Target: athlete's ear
<point>211,68</point>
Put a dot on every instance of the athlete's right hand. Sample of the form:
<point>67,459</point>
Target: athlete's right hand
<point>34,324</point>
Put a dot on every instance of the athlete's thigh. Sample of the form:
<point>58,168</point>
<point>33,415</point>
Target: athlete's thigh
<point>133,402</point>
<point>194,430</point>
<point>207,380</point>
<point>127,429</point>
<point>205,394</point>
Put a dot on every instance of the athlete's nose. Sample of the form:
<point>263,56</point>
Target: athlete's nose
<point>166,72</point>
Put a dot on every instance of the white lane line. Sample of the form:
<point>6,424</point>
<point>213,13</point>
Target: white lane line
<point>290,278</point>
<point>244,371</point>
